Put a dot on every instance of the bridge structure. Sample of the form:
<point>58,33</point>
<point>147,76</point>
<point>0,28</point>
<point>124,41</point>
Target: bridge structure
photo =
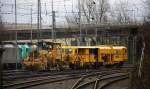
<point>24,31</point>
<point>100,35</point>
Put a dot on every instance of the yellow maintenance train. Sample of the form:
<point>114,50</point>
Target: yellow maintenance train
<point>94,56</point>
<point>76,57</point>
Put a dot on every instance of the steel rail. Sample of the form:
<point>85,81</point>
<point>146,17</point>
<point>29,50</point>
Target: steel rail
<point>98,80</point>
<point>33,74</point>
<point>37,82</point>
<point>77,83</point>
<point>113,81</point>
<point>47,79</point>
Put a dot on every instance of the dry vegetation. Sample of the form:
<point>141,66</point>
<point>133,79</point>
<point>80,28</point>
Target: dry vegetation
<point>146,62</point>
<point>143,82</point>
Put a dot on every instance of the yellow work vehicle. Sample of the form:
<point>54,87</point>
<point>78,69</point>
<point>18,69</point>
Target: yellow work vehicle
<point>88,56</point>
<point>105,55</point>
<point>80,56</point>
<point>120,55</point>
<point>45,57</point>
<point>70,56</point>
<point>75,56</point>
<point>93,56</point>
<point>36,60</point>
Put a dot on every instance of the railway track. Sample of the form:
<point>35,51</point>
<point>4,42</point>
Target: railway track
<point>96,79</point>
<point>31,74</point>
<point>16,73</point>
<point>39,81</point>
<point>100,82</point>
<point>51,79</point>
<point>10,71</point>
<point>40,77</point>
<point>113,80</point>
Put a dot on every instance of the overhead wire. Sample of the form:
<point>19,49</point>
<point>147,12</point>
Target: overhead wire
<point>25,4</point>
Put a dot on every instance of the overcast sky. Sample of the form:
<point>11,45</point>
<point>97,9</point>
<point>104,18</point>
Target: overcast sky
<point>62,8</point>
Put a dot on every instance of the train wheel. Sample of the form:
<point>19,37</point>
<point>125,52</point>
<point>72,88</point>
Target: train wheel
<point>90,66</point>
<point>71,65</point>
<point>77,66</point>
<point>86,66</point>
<point>117,65</point>
<point>120,64</point>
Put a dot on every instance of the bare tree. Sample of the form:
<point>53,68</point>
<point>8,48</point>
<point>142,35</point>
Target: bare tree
<point>142,81</point>
<point>103,9</point>
<point>146,35</point>
<point>120,13</point>
<point>147,11</point>
<point>94,11</point>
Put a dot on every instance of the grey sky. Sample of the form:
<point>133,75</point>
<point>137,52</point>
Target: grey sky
<point>60,6</point>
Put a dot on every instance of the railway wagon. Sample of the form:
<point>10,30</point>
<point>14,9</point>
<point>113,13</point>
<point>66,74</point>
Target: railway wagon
<point>10,56</point>
<point>94,56</point>
<point>36,60</point>
<point>47,55</point>
<point>76,57</point>
<point>84,56</point>
<point>120,55</point>
<point>105,54</point>
<point>69,54</point>
<point>13,55</point>
<point>89,56</point>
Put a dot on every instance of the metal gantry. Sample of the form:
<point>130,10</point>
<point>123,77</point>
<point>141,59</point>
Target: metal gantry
<point>39,21</point>
<point>79,13</point>
<point>31,23</point>
<point>16,33</point>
